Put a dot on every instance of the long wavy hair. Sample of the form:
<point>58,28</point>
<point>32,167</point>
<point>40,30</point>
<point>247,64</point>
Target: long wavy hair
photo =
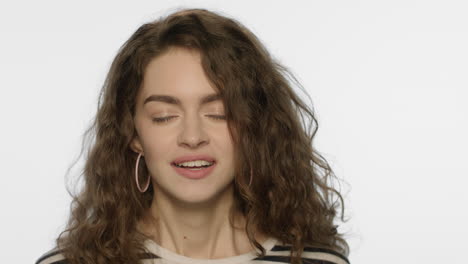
<point>291,196</point>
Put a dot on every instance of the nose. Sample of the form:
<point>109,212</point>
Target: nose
<point>192,134</point>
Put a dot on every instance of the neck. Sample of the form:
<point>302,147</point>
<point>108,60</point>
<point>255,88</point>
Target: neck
<point>201,230</point>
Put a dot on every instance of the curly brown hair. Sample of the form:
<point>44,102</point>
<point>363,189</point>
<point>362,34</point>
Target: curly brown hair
<point>291,196</point>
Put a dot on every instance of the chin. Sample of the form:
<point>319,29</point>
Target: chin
<point>197,194</point>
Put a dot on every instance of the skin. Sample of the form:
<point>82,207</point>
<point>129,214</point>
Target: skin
<point>191,215</point>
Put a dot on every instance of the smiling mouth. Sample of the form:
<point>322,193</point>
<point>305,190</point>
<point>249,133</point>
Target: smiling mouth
<point>194,167</point>
<point>197,172</point>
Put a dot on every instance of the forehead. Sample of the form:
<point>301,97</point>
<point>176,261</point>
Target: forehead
<point>175,78</point>
<point>177,71</point>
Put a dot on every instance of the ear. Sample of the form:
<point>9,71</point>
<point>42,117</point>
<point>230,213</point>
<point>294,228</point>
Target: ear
<point>135,145</point>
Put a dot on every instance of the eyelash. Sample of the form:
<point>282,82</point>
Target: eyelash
<point>166,119</point>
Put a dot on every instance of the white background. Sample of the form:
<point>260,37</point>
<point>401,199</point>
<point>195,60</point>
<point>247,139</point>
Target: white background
<point>388,80</point>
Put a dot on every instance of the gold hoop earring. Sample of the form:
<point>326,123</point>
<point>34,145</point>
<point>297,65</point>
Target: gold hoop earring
<point>136,177</point>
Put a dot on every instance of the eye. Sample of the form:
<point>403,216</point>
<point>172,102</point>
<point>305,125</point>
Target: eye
<point>218,117</point>
<point>162,119</point>
<point>166,119</point>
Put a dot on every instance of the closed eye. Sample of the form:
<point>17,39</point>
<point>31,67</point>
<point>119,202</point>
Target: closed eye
<point>162,119</point>
<point>166,119</point>
<point>218,117</point>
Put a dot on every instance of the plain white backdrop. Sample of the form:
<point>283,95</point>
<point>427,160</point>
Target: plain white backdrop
<point>388,81</point>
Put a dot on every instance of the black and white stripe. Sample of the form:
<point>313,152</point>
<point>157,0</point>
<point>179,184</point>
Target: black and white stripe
<point>278,254</point>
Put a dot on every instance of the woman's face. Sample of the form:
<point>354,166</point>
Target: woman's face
<point>193,127</point>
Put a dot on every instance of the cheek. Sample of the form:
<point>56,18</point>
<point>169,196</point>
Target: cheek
<point>157,146</point>
<point>225,142</point>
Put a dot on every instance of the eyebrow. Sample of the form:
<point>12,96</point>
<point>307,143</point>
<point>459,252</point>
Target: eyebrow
<point>175,101</point>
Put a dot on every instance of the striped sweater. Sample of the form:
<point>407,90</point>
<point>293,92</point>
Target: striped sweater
<point>276,253</point>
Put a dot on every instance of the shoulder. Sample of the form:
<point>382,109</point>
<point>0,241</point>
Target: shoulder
<point>280,253</point>
<point>53,256</point>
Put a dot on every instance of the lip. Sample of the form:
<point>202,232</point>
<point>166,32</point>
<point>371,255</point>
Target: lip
<point>194,174</point>
<point>194,157</point>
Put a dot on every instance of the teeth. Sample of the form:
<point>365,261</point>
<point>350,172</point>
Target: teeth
<point>195,163</point>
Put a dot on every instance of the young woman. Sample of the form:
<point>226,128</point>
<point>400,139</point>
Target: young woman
<point>199,156</point>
